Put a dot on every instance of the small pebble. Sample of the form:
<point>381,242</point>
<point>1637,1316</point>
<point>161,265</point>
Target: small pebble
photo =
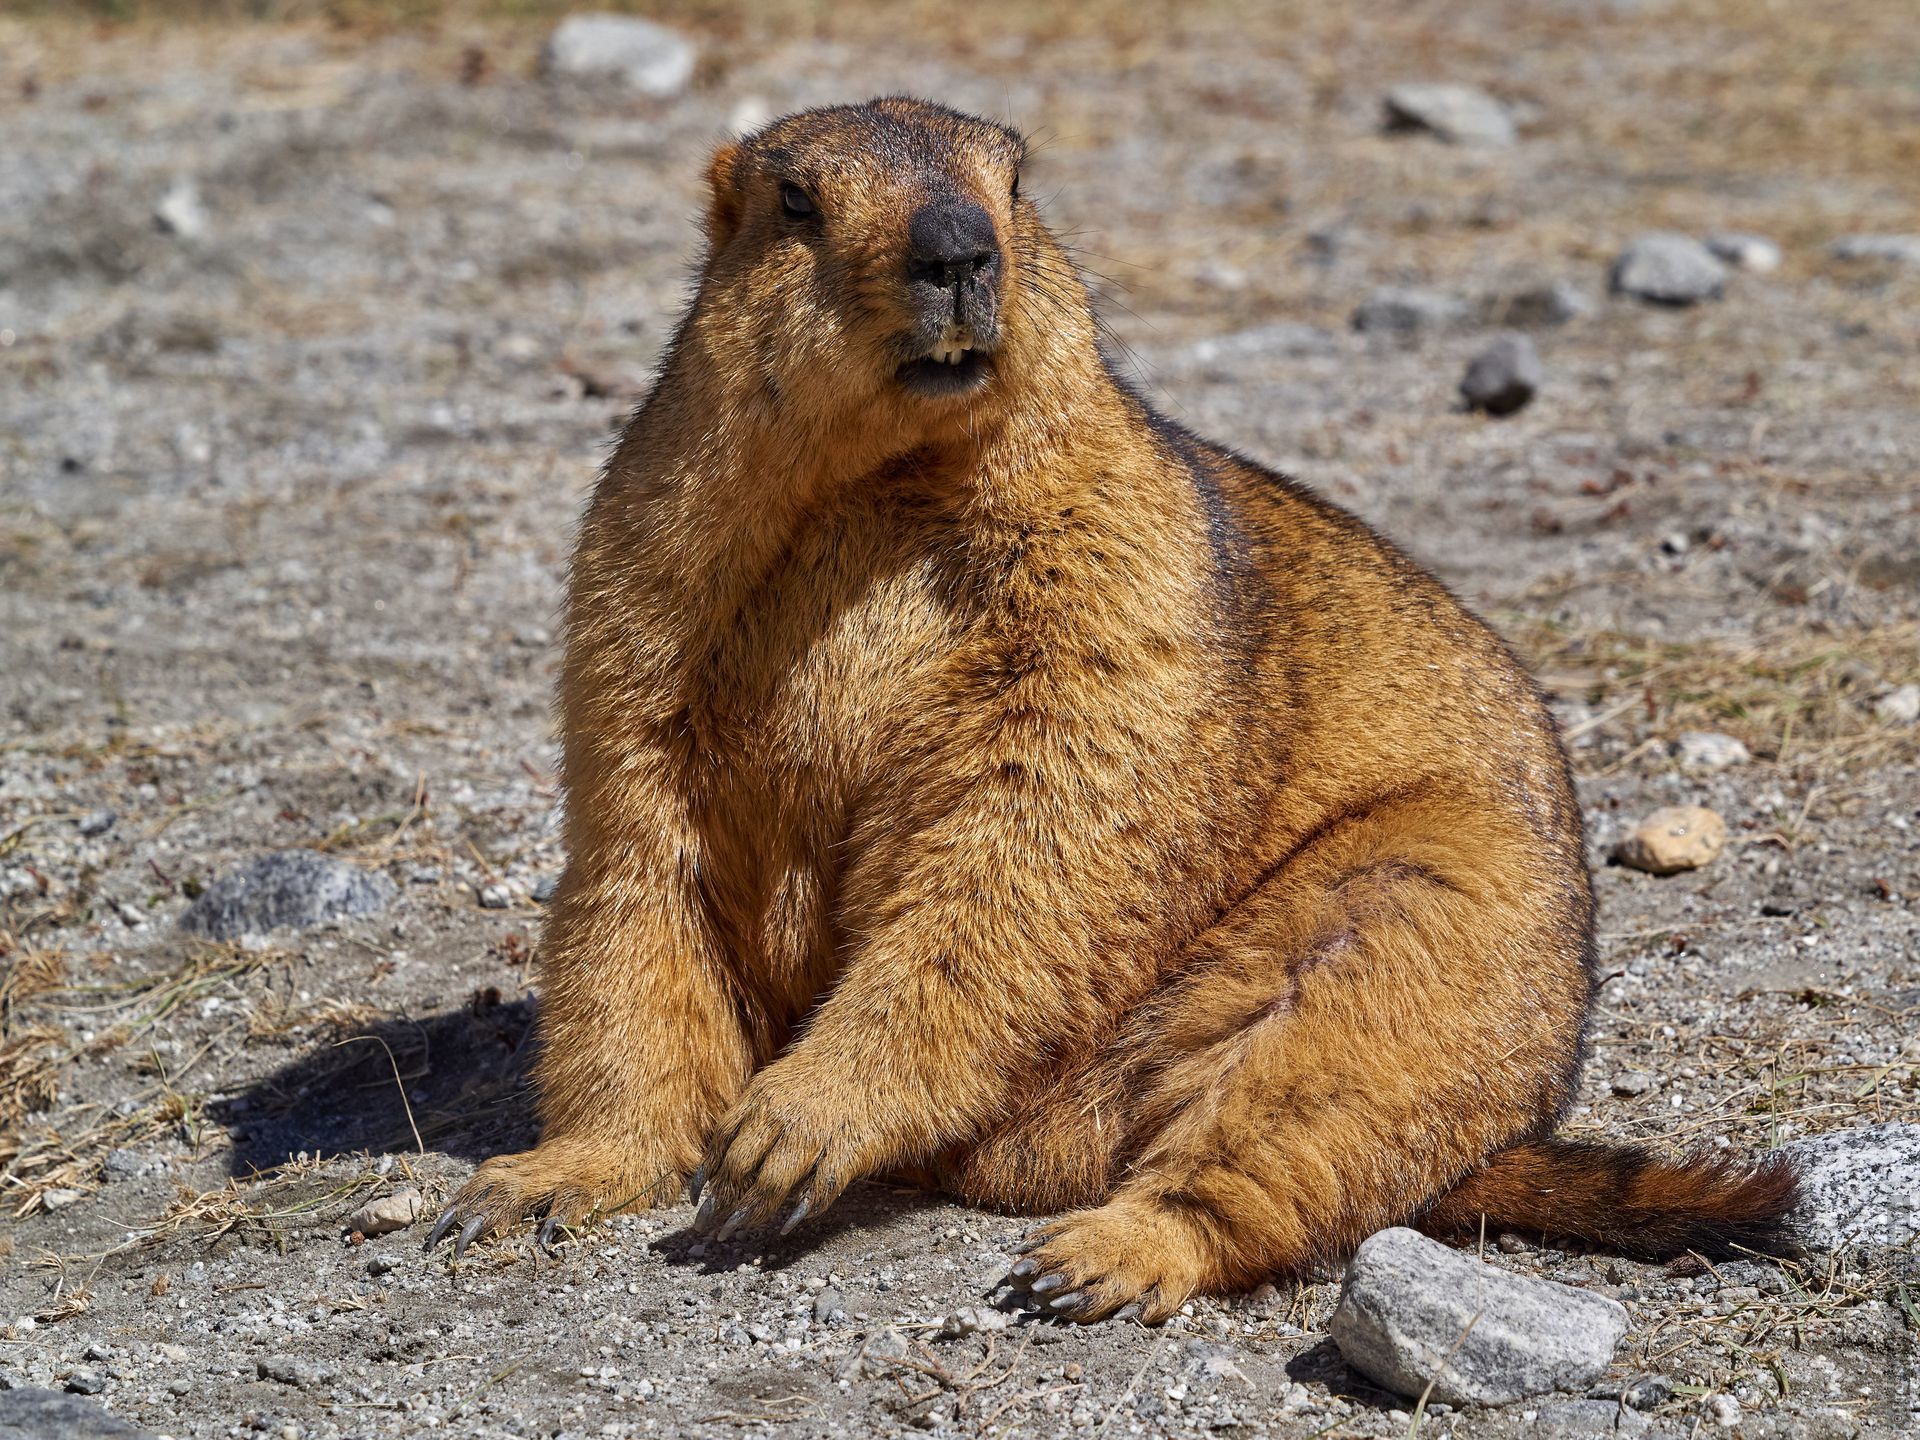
<point>1673,839</point>
<point>1504,376</point>
<point>387,1214</point>
<point>1710,750</point>
<point>495,897</point>
<point>1753,253</point>
<point>1899,707</point>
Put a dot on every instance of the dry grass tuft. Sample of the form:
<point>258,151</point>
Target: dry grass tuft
<point>1800,698</point>
<point>29,1073</point>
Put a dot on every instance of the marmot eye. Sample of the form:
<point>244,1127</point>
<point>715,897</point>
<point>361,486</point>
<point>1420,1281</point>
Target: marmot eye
<point>795,201</point>
<point>1014,194</point>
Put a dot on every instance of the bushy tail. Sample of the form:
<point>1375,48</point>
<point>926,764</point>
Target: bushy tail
<point>1626,1199</point>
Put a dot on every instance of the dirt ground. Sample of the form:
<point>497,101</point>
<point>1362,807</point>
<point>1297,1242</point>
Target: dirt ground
<point>284,504</point>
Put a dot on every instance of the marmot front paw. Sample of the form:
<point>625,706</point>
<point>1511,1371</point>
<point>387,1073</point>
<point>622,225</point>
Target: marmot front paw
<point>785,1151</point>
<point>563,1180</point>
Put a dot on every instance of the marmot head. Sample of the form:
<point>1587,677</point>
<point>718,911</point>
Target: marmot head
<point>879,259</point>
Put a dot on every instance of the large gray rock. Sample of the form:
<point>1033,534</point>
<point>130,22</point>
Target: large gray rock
<point>643,56</point>
<point>1858,1188</point>
<point>1397,311</point>
<point>1668,269</point>
<point>1504,376</point>
<point>285,890</point>
<point>1456,113</point>
<point>1414,1311</point>
<point>32,1414</point>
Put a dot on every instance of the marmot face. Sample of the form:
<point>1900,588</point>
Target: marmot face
<point>877,258</point>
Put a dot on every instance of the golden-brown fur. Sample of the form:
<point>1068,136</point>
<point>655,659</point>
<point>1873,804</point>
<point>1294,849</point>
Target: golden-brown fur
<point>1013,787</point>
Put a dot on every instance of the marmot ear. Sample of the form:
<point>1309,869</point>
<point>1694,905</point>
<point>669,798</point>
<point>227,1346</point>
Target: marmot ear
<point>723,206</point>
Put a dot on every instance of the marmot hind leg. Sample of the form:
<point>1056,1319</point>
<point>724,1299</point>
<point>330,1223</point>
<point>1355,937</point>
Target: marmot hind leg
<point>1367,1025</point>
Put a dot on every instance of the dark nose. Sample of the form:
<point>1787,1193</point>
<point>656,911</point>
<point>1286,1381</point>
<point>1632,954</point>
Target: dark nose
<point>948,241</point>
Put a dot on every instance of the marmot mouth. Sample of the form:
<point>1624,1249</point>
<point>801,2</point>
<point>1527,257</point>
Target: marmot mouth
<point>937,375</point>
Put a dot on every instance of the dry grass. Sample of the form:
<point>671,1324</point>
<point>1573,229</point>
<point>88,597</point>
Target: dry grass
<point>1800,698</point>
<point>66,1156</point>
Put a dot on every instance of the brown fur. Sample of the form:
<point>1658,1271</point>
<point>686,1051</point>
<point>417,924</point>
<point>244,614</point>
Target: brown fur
<point>1014,787</point>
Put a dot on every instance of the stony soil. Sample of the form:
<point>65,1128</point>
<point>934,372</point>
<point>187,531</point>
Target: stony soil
<point>283,510</point>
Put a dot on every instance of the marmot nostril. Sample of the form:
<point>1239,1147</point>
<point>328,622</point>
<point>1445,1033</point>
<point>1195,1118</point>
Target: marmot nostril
<point>950,240</point>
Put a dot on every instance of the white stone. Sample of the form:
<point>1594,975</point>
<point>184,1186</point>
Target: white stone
<point>1899,707</point>
<point>181,211</point>
<point>1710,750</point>
<point>643,56</point>
<point>1456,113</point>
<point>1753,253</point>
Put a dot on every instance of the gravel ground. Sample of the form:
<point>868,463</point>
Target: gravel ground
<point>288,483</point>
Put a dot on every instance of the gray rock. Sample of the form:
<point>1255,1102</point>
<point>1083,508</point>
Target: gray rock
<point>86,1382</point>
<point>1754,253</point>
<point>1899,707</point>
<point>181,211</point>
<point>120,1163</point>
<point>1458,114</point>
<point>1668,269</point>
<point>1901,249</point>
<point>285,890</point>
<point>1408,312</point>
<point>1558,302</point>
<point>544,887</point>
<point>97,822</point>
<point>1587,1417</point>
<point>29,1413</point>
<point>1710,750</point>
<point>1633,1082</point>
<point>973,1320</point>
<point>1858,1188</point>
<point>1414,1311</point>
<point>827,1304</point>
<point>1504,376</point>
<point>496,897</point>
<point>293,1370</point>
<point>643,56</point>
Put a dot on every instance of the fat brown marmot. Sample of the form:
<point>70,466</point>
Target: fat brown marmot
<point>973,774</point>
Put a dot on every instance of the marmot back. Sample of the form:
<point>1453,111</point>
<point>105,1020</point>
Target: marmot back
<point>973,774</point>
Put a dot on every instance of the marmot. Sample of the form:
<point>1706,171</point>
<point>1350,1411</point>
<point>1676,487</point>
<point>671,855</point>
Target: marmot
<point>972,773</point>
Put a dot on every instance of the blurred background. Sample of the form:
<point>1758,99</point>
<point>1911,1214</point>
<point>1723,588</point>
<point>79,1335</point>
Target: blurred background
<point>316,320</point>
